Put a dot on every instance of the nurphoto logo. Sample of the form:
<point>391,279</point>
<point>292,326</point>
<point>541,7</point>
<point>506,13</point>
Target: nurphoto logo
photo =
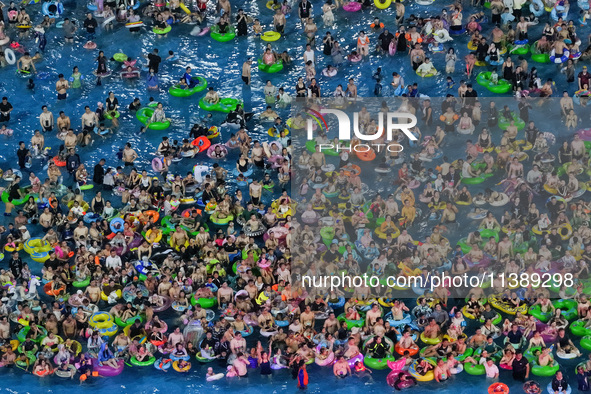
<point>394,121</point>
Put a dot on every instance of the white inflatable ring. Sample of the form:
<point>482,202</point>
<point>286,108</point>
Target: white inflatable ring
<point>9,56</point>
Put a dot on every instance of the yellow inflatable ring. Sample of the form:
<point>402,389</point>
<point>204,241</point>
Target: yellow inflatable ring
<point>270,36</point>
<point>11,247</point>
<point>272,6</point>
<point>382,5</point>
<point>100,320</point>
<point>104,297</point>
<point>158,237</point>
<point>176,367</point>
<point>565,231</point>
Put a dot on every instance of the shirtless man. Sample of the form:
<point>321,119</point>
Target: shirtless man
<point>352,349</point>
<point>351,89</point>
<point>279,21</point>
<point>255,190</point>
<point>307,318</point>
<point>70,140</point>
<point>497,36</point>
<point>566,104</point>
<point>341,368</point>
<point>225,294</point>
<point>400,9</point>
<point>449,213</point>
<point>246,71</point>
<point>46,119</point>
<point>25,63</point>
<point>225,7</point>
<point>505,247</point>
<point>129,155</point>
<point>417,56</point>
<point>331,325</point>
<point>93,292</point>
<point>559,47</point>
<point>441,371</point>
<point>121,343</point>
<point>478,339</point>
<point>61,87</point>
<point>211,97</point>
<point>432,330</point>
<point>406,341</point>
<point>578,147</point>
<point>515,169</point>
<point>38,141</point>
<point>4,328</point>
<point>258,154</point>
<point>63,121</point>
<point>89,119</point>
<point>237,344</point>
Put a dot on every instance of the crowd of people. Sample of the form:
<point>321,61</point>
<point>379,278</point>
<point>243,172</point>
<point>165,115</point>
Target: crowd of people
<point>148,267</point>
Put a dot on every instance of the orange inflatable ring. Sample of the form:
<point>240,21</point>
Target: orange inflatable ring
<point>56,292</point>
<point>498,388</point>
<point>59,162</point>
<point>367,156</point>
<point>400,350</point>
<point>153,215</point>
<point>355,167</point>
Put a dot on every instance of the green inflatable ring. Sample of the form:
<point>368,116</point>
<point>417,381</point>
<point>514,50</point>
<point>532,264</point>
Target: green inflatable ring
<point>378,363</point>
<point>463,243</point>
<point>487,233</point>
<point>204,302</point>
<point>537,56</point>
<point>120,57</point>
<point>524,50</point>
<point>270,68</point>
<point>221,222</point>
<point>502,86</point>
<point>167,226</point>
<point>311,146</point>
<point>497,319</point>
<point>536,311</point>
<point>351,323</point>
<point>586,342</point>
<point>144,363</point>
<point>255,254</point>
<point>128,322</point>
<point>546,370</point>
<point>474,369</point>
<point>109,116</point>
<point>225,37</point>
<point>82,283</point>
<point>472,181</point>
<point>22,334</point>
<point>504,122</point>
<point>176,91</point>
<point>568,308</point>
<point>16,202</point>
<point>31,358</point>
<point>162,31</point>
<point>469,351</point>
<point>144,115</point>
<point>225,105</point>
<point>578,328</point>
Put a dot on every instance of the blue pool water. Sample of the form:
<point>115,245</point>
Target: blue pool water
<point>220,63</point>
